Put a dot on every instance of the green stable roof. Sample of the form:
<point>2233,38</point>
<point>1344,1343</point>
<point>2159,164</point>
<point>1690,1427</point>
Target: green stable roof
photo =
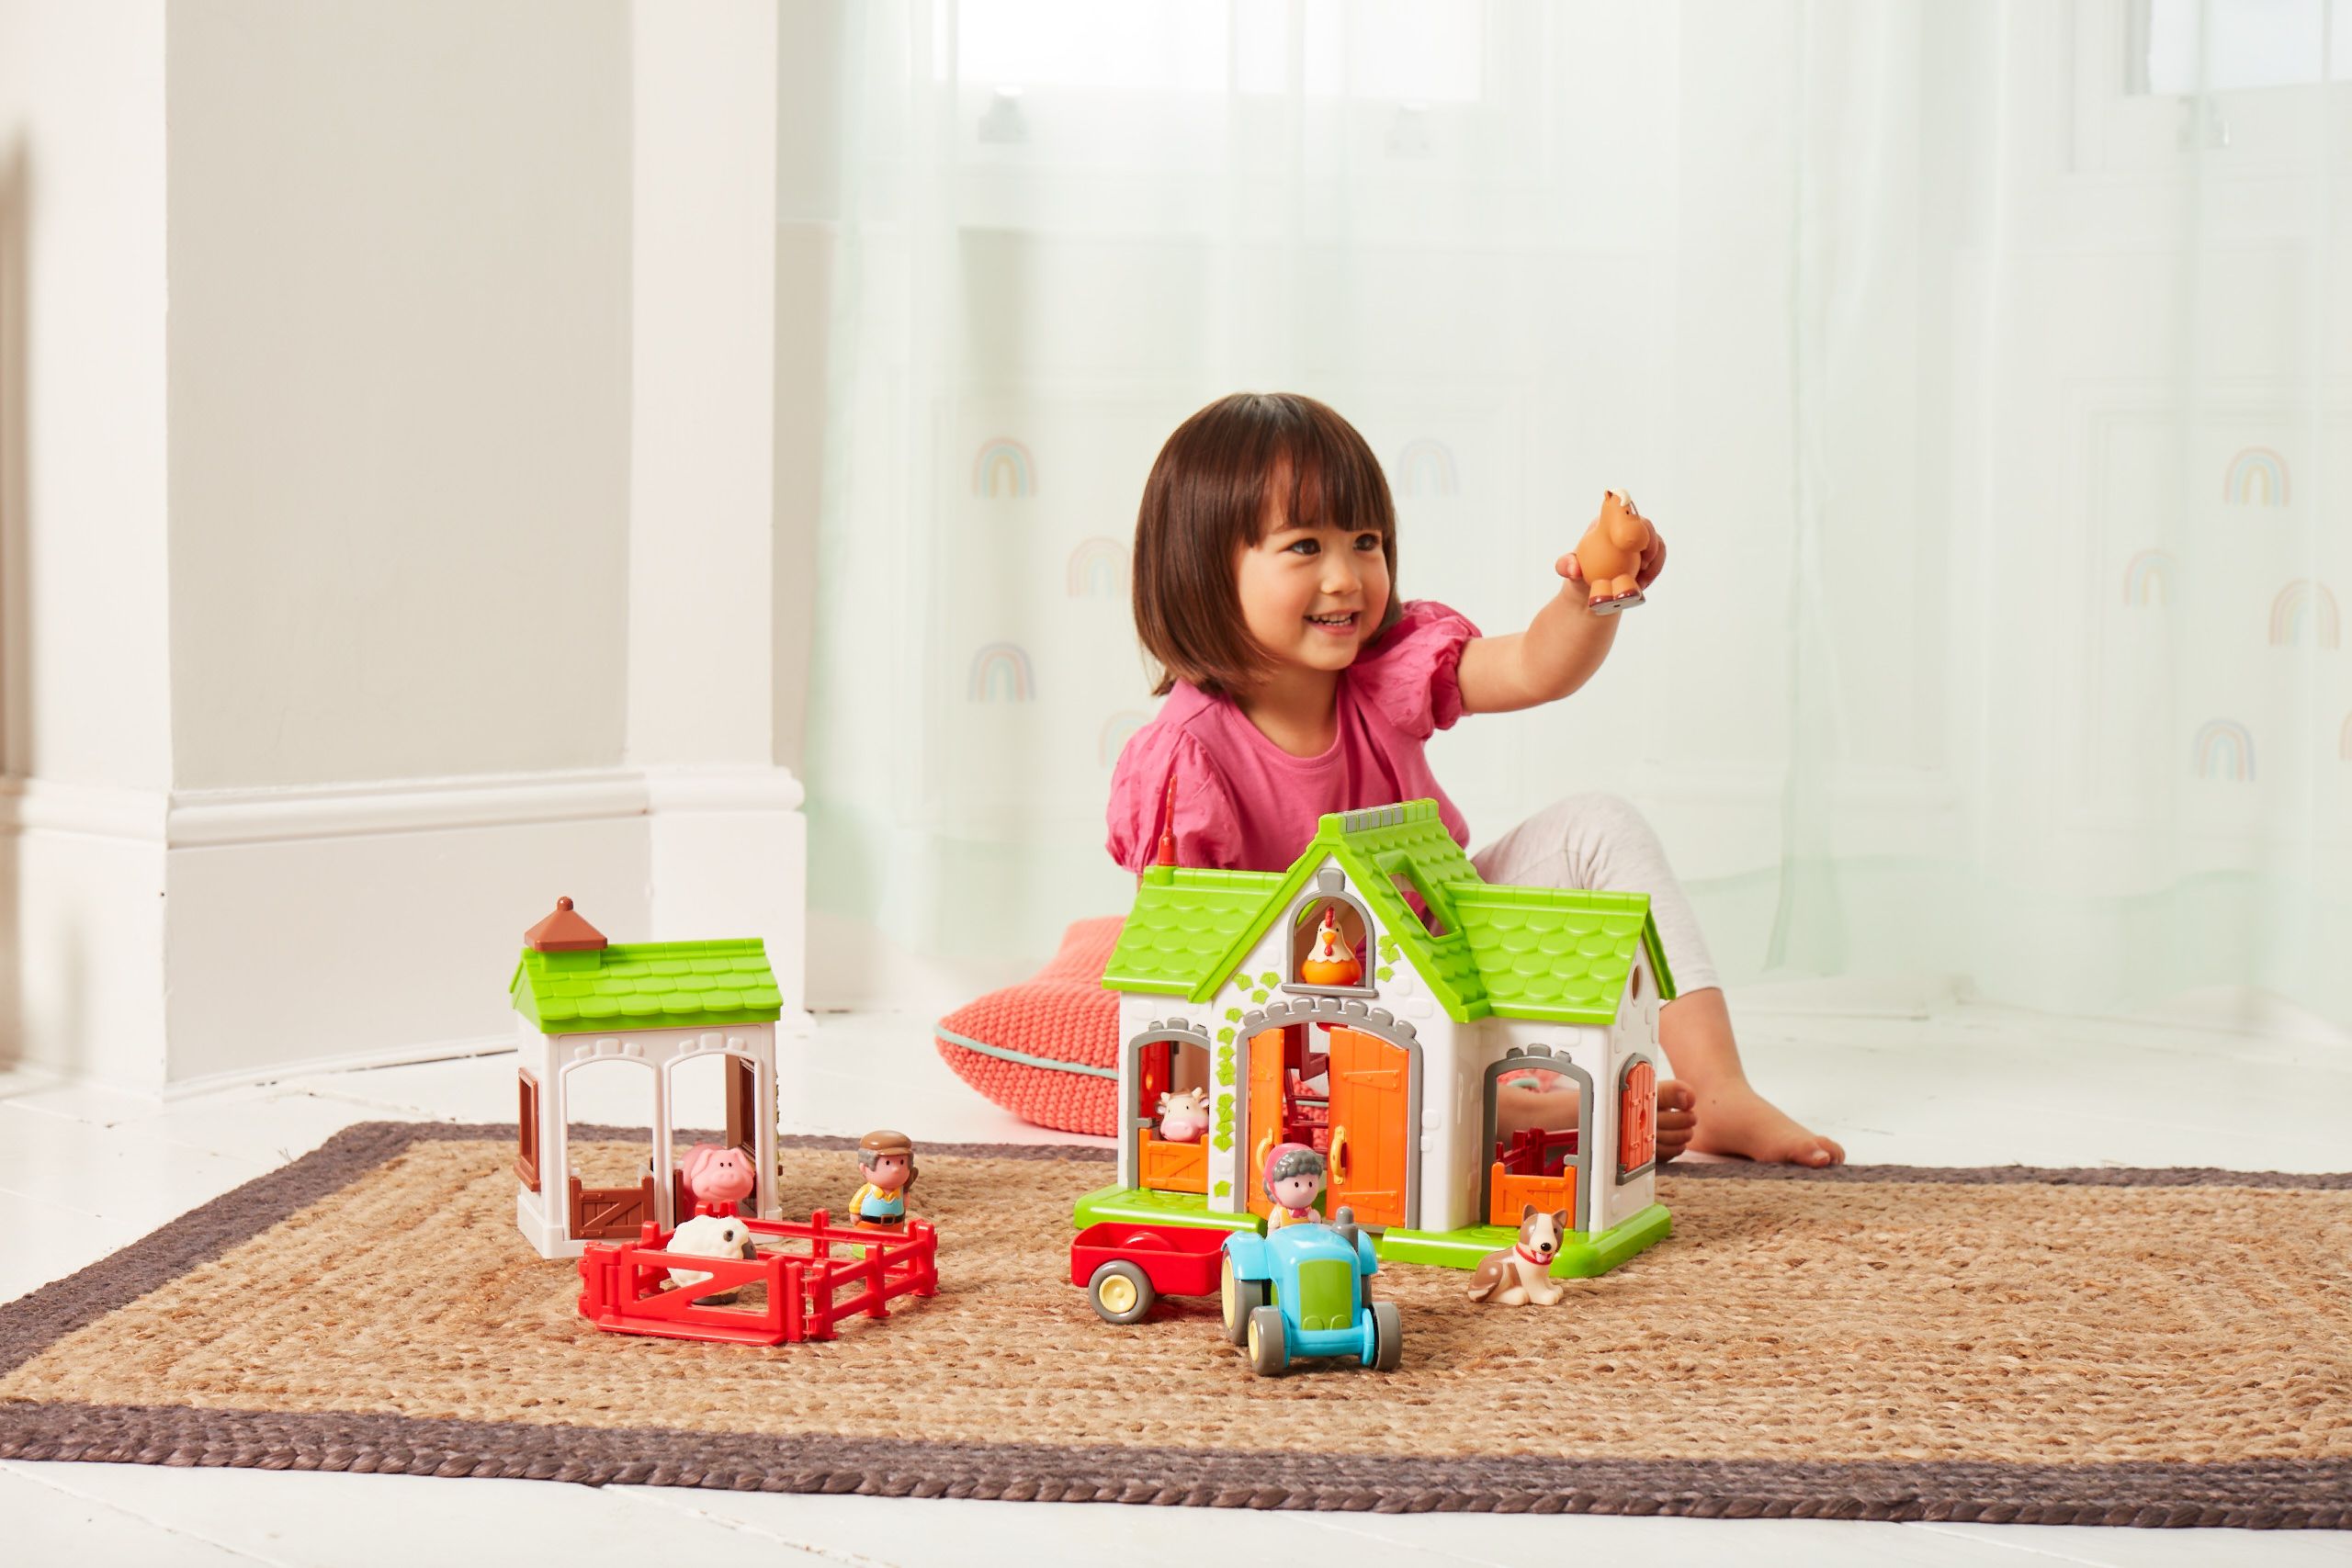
<point>647,984</point>
<point>1558,954</point>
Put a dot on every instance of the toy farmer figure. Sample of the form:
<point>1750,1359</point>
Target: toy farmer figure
<point>1294,1181</point>
<point>888,1161</point>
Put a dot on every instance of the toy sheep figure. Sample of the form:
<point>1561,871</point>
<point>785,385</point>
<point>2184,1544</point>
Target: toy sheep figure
<point>1184,1118</point>
<point>710,1236</point>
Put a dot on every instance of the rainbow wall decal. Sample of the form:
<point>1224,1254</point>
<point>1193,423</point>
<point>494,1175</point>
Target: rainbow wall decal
<point>1003,468</point>
<point>1117,730</point>
<point>1098,569</point>
<point>2256,476</point>
<point>1001,674</point>
<point>1426,467</point>
<point>2222,749</point>
<point>2147,579</point>
<point>2304,611</point>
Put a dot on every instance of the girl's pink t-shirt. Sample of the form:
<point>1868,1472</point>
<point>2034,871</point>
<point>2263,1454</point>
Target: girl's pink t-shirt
<point>1244,804</point>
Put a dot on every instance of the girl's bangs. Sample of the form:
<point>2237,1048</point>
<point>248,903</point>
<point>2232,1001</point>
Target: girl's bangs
<point>1328,485</point>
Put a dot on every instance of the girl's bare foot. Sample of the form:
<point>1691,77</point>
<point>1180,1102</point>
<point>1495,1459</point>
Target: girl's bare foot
<point>1734,1120</point>
<point>1695,1029</point>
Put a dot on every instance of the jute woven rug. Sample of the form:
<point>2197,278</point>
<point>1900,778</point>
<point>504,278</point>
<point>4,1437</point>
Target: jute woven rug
<point>2079,1346</point>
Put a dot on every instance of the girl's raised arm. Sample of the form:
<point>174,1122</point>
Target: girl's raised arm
<point>1558,652</point>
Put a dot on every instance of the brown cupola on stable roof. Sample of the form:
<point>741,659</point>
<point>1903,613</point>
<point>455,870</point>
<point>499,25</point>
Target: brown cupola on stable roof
<point>564,932</point>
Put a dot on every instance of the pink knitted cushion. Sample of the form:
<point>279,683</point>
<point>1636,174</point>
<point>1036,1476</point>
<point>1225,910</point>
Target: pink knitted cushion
<point>1046,1049</point>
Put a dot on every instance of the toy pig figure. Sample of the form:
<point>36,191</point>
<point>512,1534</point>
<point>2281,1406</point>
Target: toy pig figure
<point>1184,1118</point>
<point>719,1177</point>
<point>1612,552</point>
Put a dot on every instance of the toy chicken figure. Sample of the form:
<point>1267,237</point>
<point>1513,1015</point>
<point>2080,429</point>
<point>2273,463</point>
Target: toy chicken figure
<point>1333,961</point>
<point>1612,552</point>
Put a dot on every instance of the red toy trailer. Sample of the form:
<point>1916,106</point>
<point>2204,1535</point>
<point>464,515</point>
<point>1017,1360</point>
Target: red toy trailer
<point>625,1289</point>
<point>1126,1266</point>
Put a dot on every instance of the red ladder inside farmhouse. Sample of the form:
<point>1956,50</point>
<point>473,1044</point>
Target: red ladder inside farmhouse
<point>625,1289</point>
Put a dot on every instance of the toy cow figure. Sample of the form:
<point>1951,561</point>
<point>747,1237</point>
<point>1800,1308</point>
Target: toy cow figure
<point>721,1178</point>
<point>1611,554</point>
<point>1521,1272</point>
<point>1184,1118</point>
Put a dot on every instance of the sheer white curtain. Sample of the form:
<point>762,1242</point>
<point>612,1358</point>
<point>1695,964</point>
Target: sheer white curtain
<point>1986,373</point>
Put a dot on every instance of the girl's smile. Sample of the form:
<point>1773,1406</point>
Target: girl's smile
<point>1311,596</point>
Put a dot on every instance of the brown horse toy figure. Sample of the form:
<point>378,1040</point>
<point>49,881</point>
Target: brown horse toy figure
<point>1612,552</point>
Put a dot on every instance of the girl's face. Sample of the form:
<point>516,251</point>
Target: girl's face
<point>1312,596</point>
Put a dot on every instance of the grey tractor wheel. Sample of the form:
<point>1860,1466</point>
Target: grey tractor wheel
<point>1238,1299</point>
<point>1387,1337</point>
<point>1269,1343</point>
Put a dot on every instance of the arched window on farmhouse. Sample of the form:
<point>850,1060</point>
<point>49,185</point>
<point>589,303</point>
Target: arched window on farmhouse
<point>1331,945</point>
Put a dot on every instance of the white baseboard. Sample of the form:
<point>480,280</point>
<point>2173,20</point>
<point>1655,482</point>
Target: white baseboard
<point>356,1062</point>
<point>228,936</point>
<point>82,955</point>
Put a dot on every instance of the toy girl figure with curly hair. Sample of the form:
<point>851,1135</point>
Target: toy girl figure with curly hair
<point>1293,1179</point>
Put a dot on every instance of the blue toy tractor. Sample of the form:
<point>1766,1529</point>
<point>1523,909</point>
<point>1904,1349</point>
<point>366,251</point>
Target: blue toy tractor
<point>1300,1292</point>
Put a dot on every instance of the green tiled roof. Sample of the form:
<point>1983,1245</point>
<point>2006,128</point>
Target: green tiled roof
<point>1556,954</point>
<point>1374,846</point>
<point>647,984</point>
<point>1182,926</point>
<point>1541,953</point>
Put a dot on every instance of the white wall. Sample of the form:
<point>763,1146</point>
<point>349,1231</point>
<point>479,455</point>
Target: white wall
<point>84,701</point>
<point>456,562</point>
<point>400,394</point>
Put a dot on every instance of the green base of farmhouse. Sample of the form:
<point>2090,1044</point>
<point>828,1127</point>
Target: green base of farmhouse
<point>1136,1205</point>
<point>1581,1257</point>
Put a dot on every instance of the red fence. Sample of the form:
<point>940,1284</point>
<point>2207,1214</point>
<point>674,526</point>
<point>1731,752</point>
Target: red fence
<point>626,1288</point>
<point>1535,1151</point>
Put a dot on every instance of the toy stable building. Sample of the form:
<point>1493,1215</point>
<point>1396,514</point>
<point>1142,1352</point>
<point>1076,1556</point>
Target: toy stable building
<point>658,1004</point>
<point>1466,994</point>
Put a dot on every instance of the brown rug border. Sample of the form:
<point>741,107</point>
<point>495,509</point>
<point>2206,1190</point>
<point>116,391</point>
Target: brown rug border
<point>2311,1494</point>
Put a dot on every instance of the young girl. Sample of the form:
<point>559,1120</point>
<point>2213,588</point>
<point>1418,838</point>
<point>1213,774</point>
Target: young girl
<point>1298,683</point>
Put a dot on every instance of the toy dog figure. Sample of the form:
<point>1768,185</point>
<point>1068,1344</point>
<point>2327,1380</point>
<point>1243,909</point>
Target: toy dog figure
<point>1523,1273</point>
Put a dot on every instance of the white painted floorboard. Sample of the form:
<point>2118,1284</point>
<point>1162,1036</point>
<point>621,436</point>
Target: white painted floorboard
<point>91,1170</point>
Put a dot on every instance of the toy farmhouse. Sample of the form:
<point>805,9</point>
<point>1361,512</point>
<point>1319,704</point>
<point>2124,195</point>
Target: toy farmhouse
<point>1381,1004</point>
<point>657,1005</point>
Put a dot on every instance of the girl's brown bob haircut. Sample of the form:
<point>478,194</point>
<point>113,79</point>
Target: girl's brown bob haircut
<point>1206,502</point>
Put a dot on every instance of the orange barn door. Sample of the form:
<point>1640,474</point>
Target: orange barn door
<point>1265,1113</point>
<point>1637,1118</point>
<point>1371,1126</point>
